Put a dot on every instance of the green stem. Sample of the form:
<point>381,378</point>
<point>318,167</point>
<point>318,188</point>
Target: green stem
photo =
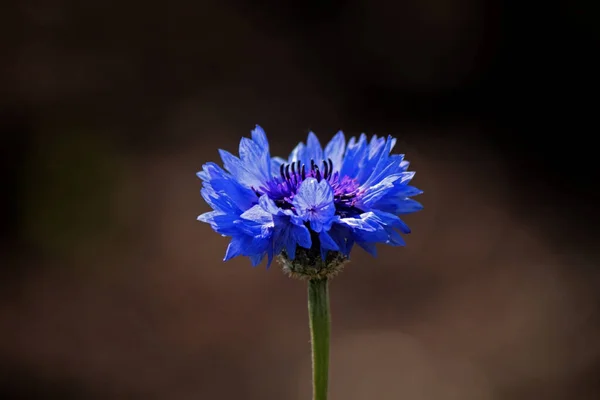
<point>319,320</point>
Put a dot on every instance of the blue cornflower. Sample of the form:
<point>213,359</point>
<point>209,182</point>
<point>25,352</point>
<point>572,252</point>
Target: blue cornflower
<point>316,204</point>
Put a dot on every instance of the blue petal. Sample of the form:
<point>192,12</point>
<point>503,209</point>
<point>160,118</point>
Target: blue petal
<point>298,153</point>
<point>391,220</point>
<point>377,164</point>
<point>253,167</point>
<point>256,158</point>
<point>275,164</point>
<point>376,192</point>
<point>236,246</point>
<point>363,223</point>
<point>376,227</point>
<point>386,187</point>
<point>313,149</point>
<point>258,245</point>
<point>369,248</point>
<point>258,215</point>
<point>272,230</point>
<point>288,235</point>
<point>408,206</point>
<point>401,190</point>
<point>396,200</point>
<point>409,191</point>
<point>335,150</point>
<point>366,228</point>
<point>302,236</point>
<point>241,196</point>
<point>244,174</point>
<point>378,236</point>
<point>218,202</point>
<point>394,238</point>
<point>223,184</point>
<point>342,235</point>
<point>260,137</point>
<point>354,158</point>
<point>269,205</point>
<point>314,203</point>
<point>243,245</point>
<point>375,146</point>
<point>327,243</point>
<point>290,249</point>
<point>211,171</point>
<point>256,259</point>
<point>391,165</point>
<point>222,223</point>
<point>294,236</point>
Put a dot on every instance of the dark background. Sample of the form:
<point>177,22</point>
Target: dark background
<point>110,288</point>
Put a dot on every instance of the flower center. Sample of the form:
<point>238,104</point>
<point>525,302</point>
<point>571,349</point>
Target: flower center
<point>281,189</point>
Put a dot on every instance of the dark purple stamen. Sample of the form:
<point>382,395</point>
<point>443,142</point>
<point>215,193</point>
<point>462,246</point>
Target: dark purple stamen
<point>295,172</point>
<point>317,173</point>
<point>282,190</point>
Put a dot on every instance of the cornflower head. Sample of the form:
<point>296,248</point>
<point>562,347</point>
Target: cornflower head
<point>310,209</point>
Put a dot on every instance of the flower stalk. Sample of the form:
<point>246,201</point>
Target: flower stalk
<point>320,327</point>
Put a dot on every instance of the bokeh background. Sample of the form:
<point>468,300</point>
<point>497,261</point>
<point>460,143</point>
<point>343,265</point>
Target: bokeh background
<point>110,288</point>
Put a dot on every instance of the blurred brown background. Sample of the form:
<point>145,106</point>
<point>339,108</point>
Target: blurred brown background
<point>110,288</point>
